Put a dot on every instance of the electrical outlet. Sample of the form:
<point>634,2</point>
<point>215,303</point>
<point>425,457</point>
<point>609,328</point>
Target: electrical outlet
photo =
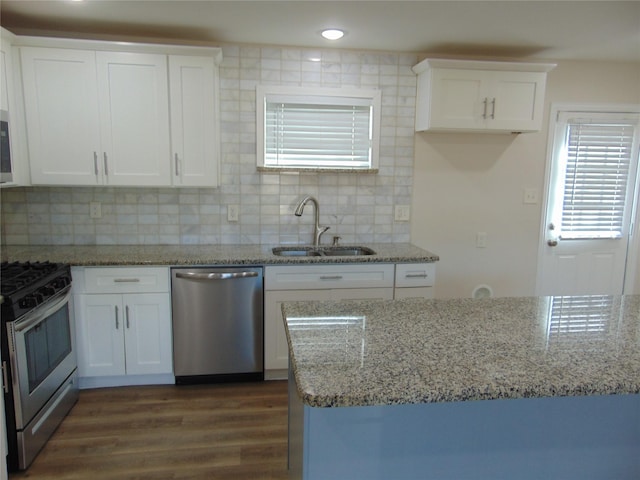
<point>402,213</point>
<point>530,196</point>
<point>233,213</point>
<point>481,240</point>
<point>95,210</point>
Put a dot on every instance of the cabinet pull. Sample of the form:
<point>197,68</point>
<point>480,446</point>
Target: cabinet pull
<point>5,378</point>
<point>484,111</point>
<point>95,163</point>
<point>106,165</point>
<point>126,280</point>
<point>493,108</point>
<point>175,156</point>
<point>330,277</point>
<point>126,315</point>
<point>416,275</point>
<point>117,322</point>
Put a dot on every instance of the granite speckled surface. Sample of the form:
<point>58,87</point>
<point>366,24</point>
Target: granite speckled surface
<point>201,255</point>
<point>412,351</point>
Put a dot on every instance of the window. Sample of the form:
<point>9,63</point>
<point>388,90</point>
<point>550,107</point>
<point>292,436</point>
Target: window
<point>592,186</point>
<point>330,129</point>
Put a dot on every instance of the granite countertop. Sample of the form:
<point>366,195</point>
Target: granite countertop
<point>201,255</point>
<point>412,351</point>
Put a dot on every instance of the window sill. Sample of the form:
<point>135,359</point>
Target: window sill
<point>316,170</point>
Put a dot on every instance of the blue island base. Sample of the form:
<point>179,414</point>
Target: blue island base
<point>564,438</point>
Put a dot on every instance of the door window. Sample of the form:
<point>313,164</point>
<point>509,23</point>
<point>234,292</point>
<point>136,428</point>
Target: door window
<point>595,160</point>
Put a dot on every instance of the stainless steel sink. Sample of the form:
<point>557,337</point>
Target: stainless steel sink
<point>295,252</point>
<point>339,251</point>
<point>347,251</point>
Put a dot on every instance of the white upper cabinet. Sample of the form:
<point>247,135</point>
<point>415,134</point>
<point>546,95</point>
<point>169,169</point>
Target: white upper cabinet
<point>101,117</point>
<point>61,107</point>
<point>475,96</point>
<point>194,130</point>
<point>134,118</point>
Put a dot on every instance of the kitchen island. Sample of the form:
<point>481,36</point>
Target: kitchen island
<point>501,388</point>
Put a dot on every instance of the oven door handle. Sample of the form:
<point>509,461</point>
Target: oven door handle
<point>39,316</point>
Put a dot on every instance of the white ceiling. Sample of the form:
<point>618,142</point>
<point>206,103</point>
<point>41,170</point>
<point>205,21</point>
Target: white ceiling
<point>555,30</point>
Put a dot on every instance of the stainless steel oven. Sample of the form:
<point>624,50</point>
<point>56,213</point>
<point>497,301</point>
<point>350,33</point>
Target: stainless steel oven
<point>38,361</point>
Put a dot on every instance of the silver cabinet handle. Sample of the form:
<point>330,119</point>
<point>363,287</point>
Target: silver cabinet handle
<point>176,162</point>
<point>416,275</point>
<point>484,111</point>
<point>117,322</point>
<point>5,378</point>
<point>215,276</point>
<point>106,165</point>
<point>493,108</point>
<point>95,163</point>
<point>126,315</point>
<point>330,277</point>
<point>126,280</point>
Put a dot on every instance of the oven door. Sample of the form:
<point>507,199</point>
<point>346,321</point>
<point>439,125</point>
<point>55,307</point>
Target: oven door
<point>42,355</point>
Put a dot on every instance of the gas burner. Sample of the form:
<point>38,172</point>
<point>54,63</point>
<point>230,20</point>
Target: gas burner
<point>25,285</point>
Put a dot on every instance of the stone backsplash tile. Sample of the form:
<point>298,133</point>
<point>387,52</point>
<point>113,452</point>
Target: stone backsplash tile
<point>358,207</point>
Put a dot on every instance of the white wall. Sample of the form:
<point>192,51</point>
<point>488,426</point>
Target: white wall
<point>469,183</point>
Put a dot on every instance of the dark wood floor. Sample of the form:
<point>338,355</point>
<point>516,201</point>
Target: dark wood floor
<point>226,431</point>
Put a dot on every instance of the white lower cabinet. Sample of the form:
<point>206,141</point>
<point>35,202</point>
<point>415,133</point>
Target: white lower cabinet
<point>123,332</point>
<point>414,280</point>
<point>314,282</point>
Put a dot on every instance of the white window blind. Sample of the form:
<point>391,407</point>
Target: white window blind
<point>596,177</point>
<point>311,131</point>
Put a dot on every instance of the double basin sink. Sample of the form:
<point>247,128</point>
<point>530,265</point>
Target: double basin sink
<point>333,251</point>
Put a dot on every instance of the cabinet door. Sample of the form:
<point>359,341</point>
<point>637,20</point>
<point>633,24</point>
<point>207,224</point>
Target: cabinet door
<point>193,87</point>
<point>100,332</point>
<point>147,323</point>
<point>134,118</point>
<point>518,101</point>
<point>458,98</point>
<point>276,349</point>
<point>61,107</point>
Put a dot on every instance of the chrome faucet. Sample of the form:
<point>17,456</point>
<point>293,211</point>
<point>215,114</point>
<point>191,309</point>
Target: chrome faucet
<point>318,229</point>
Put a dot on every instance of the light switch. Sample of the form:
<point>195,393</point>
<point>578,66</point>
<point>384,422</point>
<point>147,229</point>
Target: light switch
<point>402,213</point>
<point>233,213</point>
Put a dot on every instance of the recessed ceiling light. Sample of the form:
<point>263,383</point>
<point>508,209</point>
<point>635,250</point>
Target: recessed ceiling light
<point>332,34</point>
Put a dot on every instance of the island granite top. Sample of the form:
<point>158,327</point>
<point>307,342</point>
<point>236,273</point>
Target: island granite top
<point>108,255</point>
<point>357,353</point>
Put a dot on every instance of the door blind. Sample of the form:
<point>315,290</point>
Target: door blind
<point>598,165</point>
<point>313,135</point>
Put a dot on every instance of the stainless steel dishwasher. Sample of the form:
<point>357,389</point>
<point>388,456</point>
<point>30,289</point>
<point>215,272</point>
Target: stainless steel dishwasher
<point>218,326</point>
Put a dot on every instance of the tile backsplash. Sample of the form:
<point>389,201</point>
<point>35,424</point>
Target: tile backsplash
<point>358,207</point>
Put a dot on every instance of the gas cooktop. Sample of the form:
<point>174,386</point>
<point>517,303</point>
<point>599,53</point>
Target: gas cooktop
<point>25,285</point>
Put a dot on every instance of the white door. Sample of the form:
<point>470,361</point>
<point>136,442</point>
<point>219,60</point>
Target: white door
<point>134,118</point>
<point>592,176</point>
<point>61,107</point>
<point>147,324</point>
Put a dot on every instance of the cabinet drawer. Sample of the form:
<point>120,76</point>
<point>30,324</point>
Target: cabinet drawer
<point>328,276</point>
<point>415,274</point>
<point>125,280</point>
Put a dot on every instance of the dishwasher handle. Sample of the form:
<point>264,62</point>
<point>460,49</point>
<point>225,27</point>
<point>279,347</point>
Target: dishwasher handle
<point>215,276</point>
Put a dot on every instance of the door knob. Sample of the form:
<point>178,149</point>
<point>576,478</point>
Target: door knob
<point>552,243</point>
